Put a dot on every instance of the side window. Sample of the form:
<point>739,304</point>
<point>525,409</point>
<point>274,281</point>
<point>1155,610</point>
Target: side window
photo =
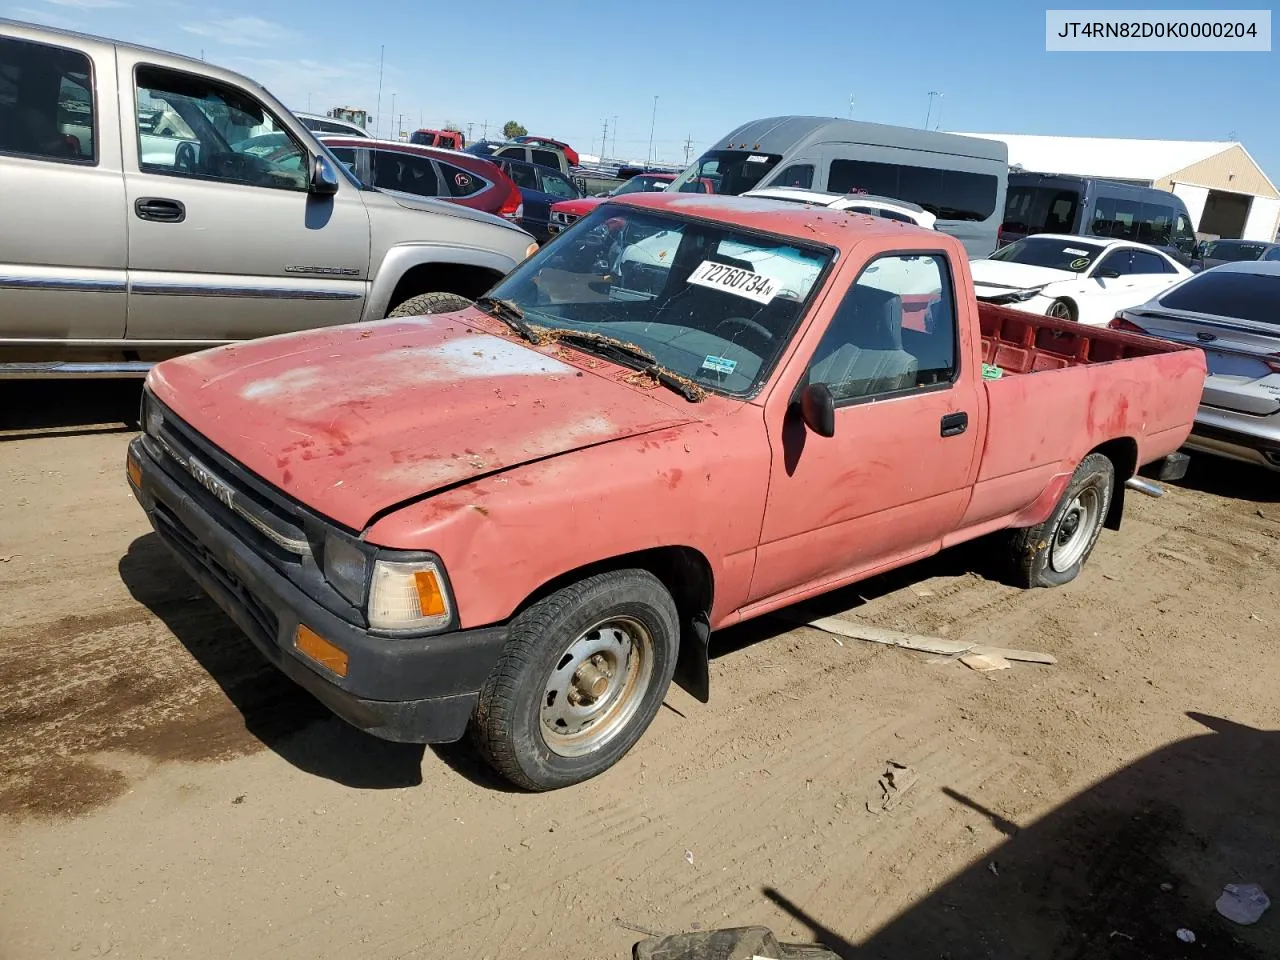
<point>894,330</point>
<point>545,158</point>
<point>46,102</point>
<point>524,176</point>
<point>1156,225</point>
<point>558,186</point>
<point>1272,254</point>
<point>404,172</point>
<point>210,131</point>
<point>797,175</point>
<point>515,153</point>
<point>1125,216</point>
<point>1119,262</point>
<point>461,183</point>
<point>346,156</point>
<point>1146,262</point>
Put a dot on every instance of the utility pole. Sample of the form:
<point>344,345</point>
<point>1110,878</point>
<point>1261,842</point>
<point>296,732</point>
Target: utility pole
<point>929,112</point>
<point>851,106</point>
<point>381,58</point>
<point>470,126</point>
<point>393,112</point>
<point>615,137</point>
<point>652,122</point>
<point>604,139</point>
<point>688,147</point>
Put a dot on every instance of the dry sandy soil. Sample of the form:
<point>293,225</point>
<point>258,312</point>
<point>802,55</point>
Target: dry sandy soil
<point>164,793</point>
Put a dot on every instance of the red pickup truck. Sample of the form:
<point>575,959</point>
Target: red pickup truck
<point>524,517</point>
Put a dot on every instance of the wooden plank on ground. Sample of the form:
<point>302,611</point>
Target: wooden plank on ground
<point>916,641</point>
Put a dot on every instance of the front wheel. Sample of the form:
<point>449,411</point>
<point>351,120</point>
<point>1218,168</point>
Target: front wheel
<point>426,303</point>
<point>582,675</point>
<point>1061,310</point>
<point>1052,553</point>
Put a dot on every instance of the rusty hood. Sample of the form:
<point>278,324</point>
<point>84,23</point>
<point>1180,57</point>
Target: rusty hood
<point>353,420</point>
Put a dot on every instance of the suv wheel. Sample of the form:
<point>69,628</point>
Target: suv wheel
<point>425,303</point>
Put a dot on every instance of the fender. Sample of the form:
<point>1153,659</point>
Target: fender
<point>403,257</point>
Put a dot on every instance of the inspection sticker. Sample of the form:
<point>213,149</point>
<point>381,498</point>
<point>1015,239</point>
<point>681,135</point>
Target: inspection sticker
<point>745,283</point>
<point>720,365</point>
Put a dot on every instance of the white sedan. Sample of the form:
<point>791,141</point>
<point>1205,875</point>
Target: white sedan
<point>1087,279</point>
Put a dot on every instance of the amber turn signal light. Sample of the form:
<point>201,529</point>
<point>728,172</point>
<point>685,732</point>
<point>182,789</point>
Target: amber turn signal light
<point>430,596</point>
<point>134,469</point>
<point>311,644</point>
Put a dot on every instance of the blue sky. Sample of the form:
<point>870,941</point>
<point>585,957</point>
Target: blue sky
<point>561,69</point>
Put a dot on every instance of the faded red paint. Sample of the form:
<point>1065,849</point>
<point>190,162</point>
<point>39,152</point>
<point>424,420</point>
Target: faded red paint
<point>546,460</point>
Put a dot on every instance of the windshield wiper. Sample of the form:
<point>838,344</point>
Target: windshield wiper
<point>629,355</point>
<point>510,314</point>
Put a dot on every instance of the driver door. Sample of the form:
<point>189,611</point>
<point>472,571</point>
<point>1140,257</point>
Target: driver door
<point>225,241</point>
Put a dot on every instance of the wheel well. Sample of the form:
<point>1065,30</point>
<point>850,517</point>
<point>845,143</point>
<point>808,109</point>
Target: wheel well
<point>1123,454</point>
<point>462,279</point>
<point>686,573</point>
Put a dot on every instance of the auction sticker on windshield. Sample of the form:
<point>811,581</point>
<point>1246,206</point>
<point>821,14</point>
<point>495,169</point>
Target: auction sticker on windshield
<point>744,283</point>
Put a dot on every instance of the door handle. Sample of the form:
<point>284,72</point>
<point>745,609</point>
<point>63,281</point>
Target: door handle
<point>159,209</point>
<point>954,424</point>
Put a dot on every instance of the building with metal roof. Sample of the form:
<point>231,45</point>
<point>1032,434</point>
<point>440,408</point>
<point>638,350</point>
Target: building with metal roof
<point>1226,192</point>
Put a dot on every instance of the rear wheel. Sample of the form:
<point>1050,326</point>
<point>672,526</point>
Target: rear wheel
<point>427,303</point>
<point>581,677</point>
<point>1061,310</point>
<point>1052,553</point>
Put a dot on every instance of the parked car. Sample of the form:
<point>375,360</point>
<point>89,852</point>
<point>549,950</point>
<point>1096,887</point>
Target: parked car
<point>1074,278</point>
<point>1211,253</point>
<point>231,222</point>
<point>484,148</point>
<point>886,207</point>
<point>540,187</point>
<point>320,124</point>
<point>1088,206</point>
<point>959,179</point>
<point>1232,313</point>
<point>570,154</point>
<point>428,172</point>
<point>477,522</point>
<point>567,212</point>
<point>444,139</point>
<point>542,156</point>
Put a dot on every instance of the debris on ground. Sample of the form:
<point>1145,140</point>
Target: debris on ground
<point>1186,936</point>
<point>1243,903</point>
<point>896,780</point>
<point>916,641</point>
<point>985,662</point>
<point>735,943</point>
<point>688,857</point>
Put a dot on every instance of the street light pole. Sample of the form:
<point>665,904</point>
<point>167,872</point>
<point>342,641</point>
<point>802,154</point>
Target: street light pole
<point>929,112</point>
<point>378,116</point>
<point>652,122</point>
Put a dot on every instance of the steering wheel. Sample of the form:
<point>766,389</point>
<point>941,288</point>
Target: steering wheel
<point>184,158</point>
<point>746,324</point>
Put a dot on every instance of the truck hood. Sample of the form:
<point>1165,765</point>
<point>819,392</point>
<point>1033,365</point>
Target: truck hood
<point>1014,276</point>
<point>578,208</point>
<point>353,420</point>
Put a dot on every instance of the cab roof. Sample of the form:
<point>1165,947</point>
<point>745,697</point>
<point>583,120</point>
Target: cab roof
<point>835,228</point>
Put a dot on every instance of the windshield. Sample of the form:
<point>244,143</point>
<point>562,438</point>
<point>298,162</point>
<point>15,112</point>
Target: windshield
<point>710,303</point>
<point>731,172</point>
<point>1233,250</point>
<point>1070,256</point>
<point>642,182</point>
<point>1227,293</point>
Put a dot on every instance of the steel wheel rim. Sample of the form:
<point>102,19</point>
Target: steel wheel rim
<point>597,686</point>
<point>1059,310</point>
<point>1075,530</point>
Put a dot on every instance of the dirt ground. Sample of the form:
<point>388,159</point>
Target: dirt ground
<point>165,793</point>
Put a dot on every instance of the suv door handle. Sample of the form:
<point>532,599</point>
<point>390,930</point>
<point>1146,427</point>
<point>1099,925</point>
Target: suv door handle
<point>159,209</point>
<point>954,424</point>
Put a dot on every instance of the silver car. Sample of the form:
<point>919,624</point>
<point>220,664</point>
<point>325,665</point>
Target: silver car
<point>1232,312</point>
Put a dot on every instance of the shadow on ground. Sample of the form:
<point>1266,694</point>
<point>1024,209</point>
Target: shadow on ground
<point>31,409</point>
<point>1227,478</point>
<point>276,711</point>
<point>1112,873</point>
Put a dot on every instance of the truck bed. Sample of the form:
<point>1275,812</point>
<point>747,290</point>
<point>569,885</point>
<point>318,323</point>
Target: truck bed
<point>1018,342</point>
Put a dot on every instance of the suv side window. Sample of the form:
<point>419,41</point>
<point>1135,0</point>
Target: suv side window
<point>405,172</point>
<point>515,153</point>
<point>558,185</point>
<point>46,102</point>
<point>206,130</point>
<point>894,330</point>
<point>346,156</point>
<point>524,175</point>
<point>461,183</point>
<point>545,158</point>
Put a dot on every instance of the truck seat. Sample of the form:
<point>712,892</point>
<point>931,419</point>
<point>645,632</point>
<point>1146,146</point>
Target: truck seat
<point>861,353</point>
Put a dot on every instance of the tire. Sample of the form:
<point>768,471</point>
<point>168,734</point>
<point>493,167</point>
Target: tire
<point>531,723</point>
<point>425,303</point>
<point>1062,309</point>
<point>1052,553</point>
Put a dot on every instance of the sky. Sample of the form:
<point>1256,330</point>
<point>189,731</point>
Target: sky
<point>563,70</point>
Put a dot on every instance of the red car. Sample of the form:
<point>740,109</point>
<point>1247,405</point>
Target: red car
<point>444,139</point>
<point>570,154</point>
<point>430,172</point>
<point>567,211</point>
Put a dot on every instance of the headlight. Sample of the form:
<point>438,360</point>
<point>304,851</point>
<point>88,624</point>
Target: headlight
<point>1021,295</point>
<point>530,250</point>
<point>152,418</point>
<point>408,596</point>
<point>345,567</point>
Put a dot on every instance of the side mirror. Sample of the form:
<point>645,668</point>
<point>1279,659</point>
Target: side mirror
<point>1109,274</point>
<point>818,409</point>
<point>324,179</point>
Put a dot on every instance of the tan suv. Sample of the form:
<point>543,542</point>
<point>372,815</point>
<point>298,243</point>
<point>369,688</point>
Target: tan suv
<point>155,204</point>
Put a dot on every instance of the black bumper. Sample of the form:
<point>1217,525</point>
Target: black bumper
<point>418,690</point>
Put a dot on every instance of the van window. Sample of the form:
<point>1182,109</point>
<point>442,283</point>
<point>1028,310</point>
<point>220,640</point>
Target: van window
<point>46,101</point>
<point>799,175</point>
<point>730,172</point>
<point>947,194</point>
<point>1029,210</point>
<point>1116,217</point>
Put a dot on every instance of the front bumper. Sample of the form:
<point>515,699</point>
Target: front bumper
<point>417,690</point>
